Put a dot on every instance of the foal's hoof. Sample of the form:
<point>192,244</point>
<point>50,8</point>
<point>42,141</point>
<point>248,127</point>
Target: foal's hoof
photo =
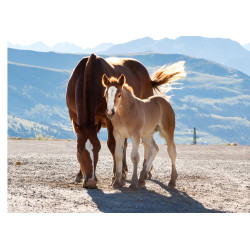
<point>118,184</point>
<point>112,181</point>
<point>149,176</point>
<point>133,186</point>
<point>172,184</point>
<point>141,183</point>
<point>124,175</point>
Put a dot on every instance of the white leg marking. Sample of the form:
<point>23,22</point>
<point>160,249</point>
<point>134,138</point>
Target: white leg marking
<point>111,97</point>
<point>89,147</point>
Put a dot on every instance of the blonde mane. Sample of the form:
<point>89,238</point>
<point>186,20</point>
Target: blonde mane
<point>129,88</point>
<point>113,80</point>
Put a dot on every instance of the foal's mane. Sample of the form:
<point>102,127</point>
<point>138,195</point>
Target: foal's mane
<point>113,80</point>
<point>129,88</point>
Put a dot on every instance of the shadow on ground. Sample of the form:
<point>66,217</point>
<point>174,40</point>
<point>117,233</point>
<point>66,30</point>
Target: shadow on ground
<point>147,201</point>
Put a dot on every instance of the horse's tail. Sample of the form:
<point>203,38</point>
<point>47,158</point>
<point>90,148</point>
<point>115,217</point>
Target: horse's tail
<point>168,74</point>
<point>89,102</point>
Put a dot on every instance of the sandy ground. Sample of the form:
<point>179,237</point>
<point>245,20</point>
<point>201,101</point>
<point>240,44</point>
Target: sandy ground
<point>211,179</point>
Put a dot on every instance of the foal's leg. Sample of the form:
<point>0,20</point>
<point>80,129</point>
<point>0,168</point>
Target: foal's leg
<point>119,181</point>
<point>149,175</point>
<point>147,165</point>
<point>124,162</point>
<point>172,154</point>
<point>111,145</point>
<point>135,158</point>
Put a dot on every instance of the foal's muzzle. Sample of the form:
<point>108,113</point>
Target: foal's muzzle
<point>110,113</point>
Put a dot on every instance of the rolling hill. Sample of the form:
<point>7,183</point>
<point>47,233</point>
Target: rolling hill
<point>213,98</point>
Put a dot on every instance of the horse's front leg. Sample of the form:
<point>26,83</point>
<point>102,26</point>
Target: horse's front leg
<point>111,146</point>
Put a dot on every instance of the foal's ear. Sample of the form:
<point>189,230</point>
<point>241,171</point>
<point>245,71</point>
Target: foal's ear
<point>105,81</point>
<point>121,80</point>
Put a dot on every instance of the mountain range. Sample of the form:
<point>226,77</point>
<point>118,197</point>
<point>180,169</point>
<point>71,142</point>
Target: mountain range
<point>61,47</point>
<point>213,98</point>
<point>224,51</point>
<point>247,46</point>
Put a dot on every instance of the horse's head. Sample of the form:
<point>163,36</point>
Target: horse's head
<point>88,147</point>
<point>113,93</point>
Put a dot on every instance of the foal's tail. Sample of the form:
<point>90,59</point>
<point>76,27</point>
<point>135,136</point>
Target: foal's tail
<point>168,74</point>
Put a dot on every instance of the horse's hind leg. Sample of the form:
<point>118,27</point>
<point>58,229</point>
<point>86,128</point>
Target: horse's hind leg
<point>79,175</point>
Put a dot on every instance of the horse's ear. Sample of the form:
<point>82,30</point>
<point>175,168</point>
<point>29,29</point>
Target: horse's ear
<point>105,81</point>
<point>122,80</point>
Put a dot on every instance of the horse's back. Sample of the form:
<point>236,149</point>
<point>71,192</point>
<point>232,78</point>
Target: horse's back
<point>136,75</point>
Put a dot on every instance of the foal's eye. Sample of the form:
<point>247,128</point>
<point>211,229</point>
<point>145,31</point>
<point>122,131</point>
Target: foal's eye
<point>119,96</point>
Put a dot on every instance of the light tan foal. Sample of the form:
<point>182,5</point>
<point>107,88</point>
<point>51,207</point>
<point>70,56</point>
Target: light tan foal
<point>135,118</point>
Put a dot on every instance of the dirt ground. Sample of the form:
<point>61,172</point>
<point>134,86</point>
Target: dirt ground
<point>211,179</point>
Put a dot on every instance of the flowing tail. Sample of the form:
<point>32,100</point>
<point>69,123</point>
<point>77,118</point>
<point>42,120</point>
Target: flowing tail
<point>168,75</point>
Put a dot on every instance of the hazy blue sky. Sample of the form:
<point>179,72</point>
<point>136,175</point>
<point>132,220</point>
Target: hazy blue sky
<point>89,23</point>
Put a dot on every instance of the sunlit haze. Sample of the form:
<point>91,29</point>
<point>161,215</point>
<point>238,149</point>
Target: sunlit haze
<point>90,23</point>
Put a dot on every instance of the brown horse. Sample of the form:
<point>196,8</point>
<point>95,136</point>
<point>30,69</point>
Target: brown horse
<point>87,106</point>
<point>135,118</point>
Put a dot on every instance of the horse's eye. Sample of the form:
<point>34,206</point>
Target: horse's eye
<point>119,95</point>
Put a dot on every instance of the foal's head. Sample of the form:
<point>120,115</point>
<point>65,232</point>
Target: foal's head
<point>113,93</point>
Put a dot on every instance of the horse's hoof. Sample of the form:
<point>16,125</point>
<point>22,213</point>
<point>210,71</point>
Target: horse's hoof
<point>78,179</point>
<point>171,184</point>
<point>89,186</point>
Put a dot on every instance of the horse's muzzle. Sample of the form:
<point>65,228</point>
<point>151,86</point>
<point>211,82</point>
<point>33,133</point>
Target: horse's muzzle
<point>110,113</point>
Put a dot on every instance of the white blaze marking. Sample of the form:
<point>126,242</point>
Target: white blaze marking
<point>89,147</point>
<point>111,97</point>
